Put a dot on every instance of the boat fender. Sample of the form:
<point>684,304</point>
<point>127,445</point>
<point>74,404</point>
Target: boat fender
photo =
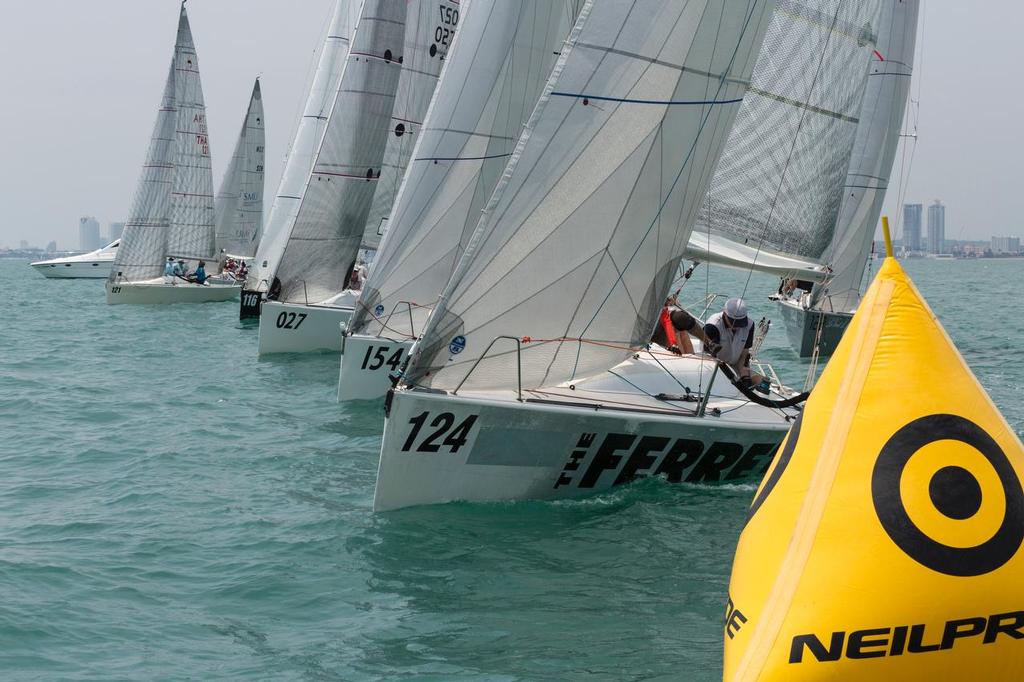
<point>752,395</point>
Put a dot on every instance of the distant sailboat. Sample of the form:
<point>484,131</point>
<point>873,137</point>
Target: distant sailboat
<point>172,212</point>
<point>308,135</point>
<point>392,70</point>
<point>531,378</point>
<point>239,203</point>
<point>818,320</point>
<point>505,51</point>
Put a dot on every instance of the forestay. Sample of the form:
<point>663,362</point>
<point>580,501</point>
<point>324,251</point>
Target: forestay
<point>328,229</point>
<point>577,248</point>
<point>308,135</point>
<point>239,203</point>
<point>778,186</point>
<point>429,34</point>
<point>141,253</point>
<point>491,82</point>
<point>191,230</point>
<point>874,150</point>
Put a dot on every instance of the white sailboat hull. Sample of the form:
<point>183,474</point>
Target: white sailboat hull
<point>297,328</point>
<point>367,365</point>
<point>802,328</point>
<point>159,292</point>
<point>66,269</point>
<point>566,442</point>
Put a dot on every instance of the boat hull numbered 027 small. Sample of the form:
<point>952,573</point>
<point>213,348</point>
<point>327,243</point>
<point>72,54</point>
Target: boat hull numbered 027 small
<point>297,328</point>
<point>367,365</point>
<point>441,448</point>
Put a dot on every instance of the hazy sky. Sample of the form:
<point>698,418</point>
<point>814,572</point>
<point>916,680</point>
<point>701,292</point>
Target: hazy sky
<point>80,81</point>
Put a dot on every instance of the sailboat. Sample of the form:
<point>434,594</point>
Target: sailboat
<point>93,265</point>
<point>532,378</point>
<point>397,53</point>
<point>308,135</point>
<point>887,540</point>
<point>776,194</point>
<point>816,320</point>
<point>172,212</point>
<point>239,203</point>
<point>506,52</point>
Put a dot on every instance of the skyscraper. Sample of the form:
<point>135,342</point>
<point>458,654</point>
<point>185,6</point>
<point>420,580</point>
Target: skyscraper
<point>912,226</point>
<point>115,230</point>
<point>937,228</point>
<point>88,234</point>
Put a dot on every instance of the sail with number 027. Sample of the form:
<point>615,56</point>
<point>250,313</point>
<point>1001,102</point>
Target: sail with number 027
<point>492,80</point>
<point>532,375</point>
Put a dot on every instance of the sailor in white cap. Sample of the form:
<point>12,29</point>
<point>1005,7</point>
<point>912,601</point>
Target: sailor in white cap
<point>730,337</point>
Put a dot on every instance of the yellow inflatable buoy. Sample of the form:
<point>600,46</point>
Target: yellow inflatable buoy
<point>885,542</point>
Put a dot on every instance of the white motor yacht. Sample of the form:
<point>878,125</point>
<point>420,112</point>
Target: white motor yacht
<point>93,265</point>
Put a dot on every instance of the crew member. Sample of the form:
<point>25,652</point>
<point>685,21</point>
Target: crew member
<point>200,275</point>
<point>730,338</point>
<point>674,328</point>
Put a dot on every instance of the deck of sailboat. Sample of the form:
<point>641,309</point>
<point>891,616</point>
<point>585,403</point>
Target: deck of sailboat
<point>652,382</point>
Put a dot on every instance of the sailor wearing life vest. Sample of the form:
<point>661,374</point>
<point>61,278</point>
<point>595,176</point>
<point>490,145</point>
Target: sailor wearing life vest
<point>730,337</point>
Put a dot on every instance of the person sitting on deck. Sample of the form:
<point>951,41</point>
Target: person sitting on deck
<point>200,274</point>
<point>180,269</point>
<point>674,328</point>
<point>730,338</point>
<point>169,270</point>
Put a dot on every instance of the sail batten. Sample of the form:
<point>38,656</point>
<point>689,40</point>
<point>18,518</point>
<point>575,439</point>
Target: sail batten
<point>576,249</point>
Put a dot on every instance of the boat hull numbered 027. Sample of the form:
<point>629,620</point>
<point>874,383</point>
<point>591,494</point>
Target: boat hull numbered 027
<point>298,328</point>
<point>367,365</point>
<point>571,441</point>
<point>157,292</point>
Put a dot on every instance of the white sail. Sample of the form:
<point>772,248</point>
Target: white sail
<point>142,250</point>
<point>191,230</point>
<point>778,186</point>
<point>308,136</point>
<point>239,203</point>
<point>577,248</point>
<point>878,136</point>
<point>429,33</point>
<point>325,236</point>
<point>491,82</point>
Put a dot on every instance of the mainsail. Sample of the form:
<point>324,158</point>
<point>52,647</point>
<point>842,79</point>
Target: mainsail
<point>308,136</point>
<point>576,250</point>
<point>429,33</point>
<point>878,136</point>
<point>191,230</point>
<point>779,184</point>
<point>141,253</point>
<point>325,236</point>
<point>239,203</point>
<point>491,82</point>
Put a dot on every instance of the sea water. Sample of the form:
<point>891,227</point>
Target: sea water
<point>173,508</point>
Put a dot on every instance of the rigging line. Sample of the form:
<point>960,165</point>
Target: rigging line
<point>789,158</point>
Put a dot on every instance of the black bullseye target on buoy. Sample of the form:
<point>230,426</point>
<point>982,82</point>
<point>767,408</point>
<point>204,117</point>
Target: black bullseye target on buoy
<point>954,491</point>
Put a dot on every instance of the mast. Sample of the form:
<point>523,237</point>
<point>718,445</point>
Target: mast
<point>874,151</point>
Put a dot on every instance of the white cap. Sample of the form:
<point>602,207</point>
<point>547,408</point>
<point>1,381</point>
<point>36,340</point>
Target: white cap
<point>736,310</point>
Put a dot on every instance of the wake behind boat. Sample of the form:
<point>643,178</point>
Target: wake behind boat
<point>93,265</point>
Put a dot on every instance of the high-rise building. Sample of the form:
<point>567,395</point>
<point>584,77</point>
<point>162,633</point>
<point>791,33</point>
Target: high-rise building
<point>937,228</point>
<point>115,230</point>
<point>89,234</point>
<point>1005,245</point>
<point>912,226</point>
